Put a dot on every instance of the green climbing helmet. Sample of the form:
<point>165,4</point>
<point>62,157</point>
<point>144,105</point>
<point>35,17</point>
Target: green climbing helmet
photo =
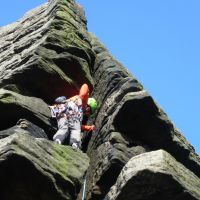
<point>93,104</point>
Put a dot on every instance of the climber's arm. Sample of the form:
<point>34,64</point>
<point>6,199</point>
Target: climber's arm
<point>87,128</point>
<point>84,94</point>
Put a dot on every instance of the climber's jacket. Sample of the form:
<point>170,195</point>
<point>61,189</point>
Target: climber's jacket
<point>82,99</point>
<point>74,108</point>
<point>71,111</point>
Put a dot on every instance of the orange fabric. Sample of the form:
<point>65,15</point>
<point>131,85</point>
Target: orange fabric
<point>82,99</point>
<point>84,94</point>
<point>87,128</point>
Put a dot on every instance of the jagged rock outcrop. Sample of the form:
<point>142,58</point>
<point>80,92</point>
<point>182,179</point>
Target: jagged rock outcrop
<point>48,45</point>
<point>49,53</point>
<point>25,127</point>
<point>33,168</point>
<point>14,106</point>
<point>155,175</point>
<point>127,116</point>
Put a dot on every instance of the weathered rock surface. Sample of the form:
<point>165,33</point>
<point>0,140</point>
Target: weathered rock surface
<point>128,116</point>
<point>48,45</point>
<point>14,106</point>
<point>110,159</point>
<point>155,175</point>
<point>149,124</point>
<point>33,168</point>
<point>49,53</point>
<point>25,127</point>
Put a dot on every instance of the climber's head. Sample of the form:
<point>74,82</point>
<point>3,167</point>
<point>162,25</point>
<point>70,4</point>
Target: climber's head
<point>60,100</point>
<point>92,105</point>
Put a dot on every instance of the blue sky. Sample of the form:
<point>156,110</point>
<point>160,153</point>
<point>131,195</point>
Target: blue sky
<point>157,41</point>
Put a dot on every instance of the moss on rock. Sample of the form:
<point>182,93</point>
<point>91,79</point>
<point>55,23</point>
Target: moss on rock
<point>60,168</point>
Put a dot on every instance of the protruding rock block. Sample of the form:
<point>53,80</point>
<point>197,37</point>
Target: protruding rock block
<point>26,127</point>
<point>129,119</point>
<point>106,163</point>
<point>15,106</point>
<point>155,175</point>
<point>33,168</point>
<point>139,117</point>
<point>47,53</point>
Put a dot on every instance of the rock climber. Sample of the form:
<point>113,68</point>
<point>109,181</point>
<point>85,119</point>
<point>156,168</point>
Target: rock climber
<point>69,115</point>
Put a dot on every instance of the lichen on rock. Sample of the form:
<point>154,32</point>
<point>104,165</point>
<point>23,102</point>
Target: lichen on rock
<point>33,168</point>
<point>49,53</point>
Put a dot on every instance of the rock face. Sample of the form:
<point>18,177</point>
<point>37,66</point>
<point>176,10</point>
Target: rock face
<point>39,169</point>
<point>49,53</point>
<point>48,45</point>
<point>26,127</point>
<point>155,175</point>
<point>128,117</point>
<point>15,106</point>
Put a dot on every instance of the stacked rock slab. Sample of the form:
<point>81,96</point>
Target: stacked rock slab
<point>48,45</point>
<point>49,53</point>
<point>128,123</point>
<point>33,168</point>
<point>45,54</point>
<point>163,178</point>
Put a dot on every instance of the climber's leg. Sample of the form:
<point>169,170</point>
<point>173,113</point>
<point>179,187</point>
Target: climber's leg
<point>75,136</point>
<point>62,132</point>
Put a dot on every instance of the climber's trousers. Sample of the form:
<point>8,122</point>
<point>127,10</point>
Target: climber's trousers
<point>65,128</point>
